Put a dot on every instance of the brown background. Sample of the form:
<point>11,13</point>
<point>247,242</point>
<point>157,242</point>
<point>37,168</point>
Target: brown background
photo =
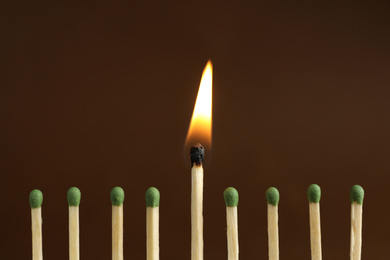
<point>101,95</point>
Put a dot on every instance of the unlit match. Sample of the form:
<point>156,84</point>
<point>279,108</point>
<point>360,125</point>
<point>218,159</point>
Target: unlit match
<point>197,157</point>
<point>314,196</point>
<point>152,198</point>
<point>36,199</point>
<point>357,196</point>
<point>117,198</point>
<point>231,200</point>
<point>74,197</point>
<point>272,196</point>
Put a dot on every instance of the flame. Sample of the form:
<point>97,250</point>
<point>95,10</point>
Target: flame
<point>200,126</point>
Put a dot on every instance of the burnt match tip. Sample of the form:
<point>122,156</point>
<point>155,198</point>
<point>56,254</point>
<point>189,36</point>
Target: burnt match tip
<point>197,154</point>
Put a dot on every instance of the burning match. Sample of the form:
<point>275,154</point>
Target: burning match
<point>197,157</point>
<point>314,196</point>
<point>199,131</point>
<point>36,199</point>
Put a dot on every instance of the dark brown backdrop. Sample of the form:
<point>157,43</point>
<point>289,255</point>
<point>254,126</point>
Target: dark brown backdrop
<point>101,95</point>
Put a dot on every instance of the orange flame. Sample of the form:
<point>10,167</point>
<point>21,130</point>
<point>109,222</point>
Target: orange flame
<point>200,126</point>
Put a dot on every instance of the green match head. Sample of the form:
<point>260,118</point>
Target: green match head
<point>117,196</point>
<point>357,194</point>
<point>314,193</point>
<point>231,197</point>
<point>36,198</point>
<point>74,196</point>
<point>152,197</point>
<point>272,195</point>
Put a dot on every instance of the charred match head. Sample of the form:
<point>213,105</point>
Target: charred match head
<point>197,154</point>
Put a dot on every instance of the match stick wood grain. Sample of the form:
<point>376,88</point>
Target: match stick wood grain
<point>197,212</point>
<point>356,231</point>
<point>315,231</point>
<point>152,233</point>
<point>273,232</point>
<point>74,238</point>
<point>232,232</point>
<point>36,228</point>
<point>117,232</point>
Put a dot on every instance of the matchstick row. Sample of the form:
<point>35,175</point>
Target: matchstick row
<point>152,199</point>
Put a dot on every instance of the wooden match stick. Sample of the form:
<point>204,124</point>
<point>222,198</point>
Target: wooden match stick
<point>272,196</point>
<point>314,196</point>
<point>231,201</point>
<point>357,196</point>
<point>117,198</point>
<point>74,197</point>
<point>152,198</point>
<point>197,157</point>
<point>36,199</point>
